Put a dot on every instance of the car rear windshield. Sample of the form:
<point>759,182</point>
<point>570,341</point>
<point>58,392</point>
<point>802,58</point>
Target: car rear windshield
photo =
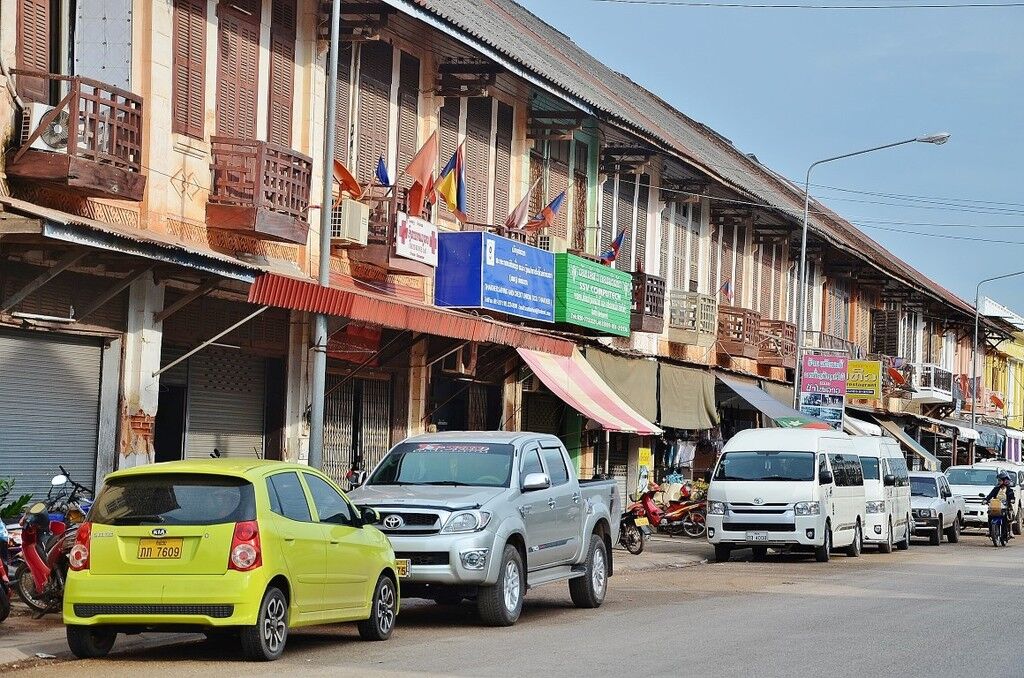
<point>972,476</point>
<point>766,466</point>
<point>870,465</point>
<point>174,499</point>
<point>447,463</point>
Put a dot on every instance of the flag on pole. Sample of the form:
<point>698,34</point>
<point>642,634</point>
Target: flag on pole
<point>422,165</point>
<point>547,215</point>
<point>519,216</point>
<point>451,184</point>
<point>346,182</point>
<point>610,256</point>
<point>727,290</point>
<point>382,172</point>
<point>420,194</point>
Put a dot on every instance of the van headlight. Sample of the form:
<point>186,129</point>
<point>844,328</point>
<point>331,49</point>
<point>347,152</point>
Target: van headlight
<point>466,521</point>
<point>716,508</point>
<point>876,507</point>
<point>807,508</point>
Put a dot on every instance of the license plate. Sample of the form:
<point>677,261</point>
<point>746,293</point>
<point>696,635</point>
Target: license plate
<point>160,549</point>
<point>641,522</point>
<point>402,565</point>
<point>757,536</point>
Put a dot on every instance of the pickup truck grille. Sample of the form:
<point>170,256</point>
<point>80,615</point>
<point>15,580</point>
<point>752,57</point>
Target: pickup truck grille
<point>759,527</point>
<point>408,523</point>
<point>424,557</point>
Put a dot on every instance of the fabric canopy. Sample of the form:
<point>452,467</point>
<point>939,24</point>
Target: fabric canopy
<point>632,379</point>
<point>965,432</point>
<point>783,415</point>
<point>781,392</point>
<point>859,427</point>
<point>931,462</point>
<point>687,398</point>
<point>573,380</point>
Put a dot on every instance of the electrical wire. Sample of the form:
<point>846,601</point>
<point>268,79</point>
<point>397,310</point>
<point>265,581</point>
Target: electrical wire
<point>758,5</point>
<point>943,236</point>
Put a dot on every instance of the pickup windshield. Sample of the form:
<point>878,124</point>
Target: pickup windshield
<point>972,476</point>
<point>753,466</point>
<point>446,463</point>
<point>923,487</point>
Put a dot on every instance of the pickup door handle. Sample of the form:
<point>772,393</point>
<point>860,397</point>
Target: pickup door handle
<point>551,503</point>
<point>575,497</point>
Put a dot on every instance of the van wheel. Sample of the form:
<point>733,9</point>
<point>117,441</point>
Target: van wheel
<point>382,611</point>
<point>824,552</point>
<point>936,537</point>
<point>904,543</point>
<point>853,550</point>
<point>1016,527</point>
<point>265,641</point>
<point>500,604</point>
<point>90,643</point>
<point>722,553</point>
<point>760,553</point>
<point>886,546</point>
<point>953,533</point>
<point>588,591</point>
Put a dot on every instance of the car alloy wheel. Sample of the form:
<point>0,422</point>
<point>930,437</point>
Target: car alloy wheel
<point>512,585</point>
<point>275,626</point>
<point>599,573</point>
<point>385,608</point>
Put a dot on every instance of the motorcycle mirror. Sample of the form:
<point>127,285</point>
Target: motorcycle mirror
<point>59,480</point>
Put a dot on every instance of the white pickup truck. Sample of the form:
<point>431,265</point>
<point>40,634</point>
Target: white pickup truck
<point>487,515</point>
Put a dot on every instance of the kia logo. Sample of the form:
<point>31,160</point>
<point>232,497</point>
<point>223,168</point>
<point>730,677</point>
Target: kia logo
<point>393,522</point>
<point>758,501</point>
<point>159,532</point>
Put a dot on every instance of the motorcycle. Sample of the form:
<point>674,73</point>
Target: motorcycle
<point>998,527</point>
<point>5,584</point>
<point>686,515</point>
<point>69,508</point>
<point>633,531</point>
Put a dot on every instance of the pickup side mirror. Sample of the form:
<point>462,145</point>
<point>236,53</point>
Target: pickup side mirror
<point>369,515</point>
<point>825,478</point>
<point>889,480</point>
<point>536,481</point>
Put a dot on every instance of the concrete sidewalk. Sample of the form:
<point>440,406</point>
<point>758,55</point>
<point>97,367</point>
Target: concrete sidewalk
<point>664,553</point>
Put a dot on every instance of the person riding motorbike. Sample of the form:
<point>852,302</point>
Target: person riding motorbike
<point>1004,493</point>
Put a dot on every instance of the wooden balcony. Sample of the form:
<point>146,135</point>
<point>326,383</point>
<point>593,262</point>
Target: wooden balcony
<point>738,332</point>
<point>379,256</point>
<point>90,143</point>
<point>829,342</point>
<point>777,345</point>
<point>692,318</point>
<point>260,188</point>
<point>989,403</point>
<point>648,311</point>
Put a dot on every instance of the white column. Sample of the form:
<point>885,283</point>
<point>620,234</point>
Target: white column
<point>143,340</point>
<point>296,429</point>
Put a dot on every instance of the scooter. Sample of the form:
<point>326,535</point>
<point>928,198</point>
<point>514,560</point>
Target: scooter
<point>997,524</point>
<point>685,516</point>
<point>633,531</point>
<point>5,585</point>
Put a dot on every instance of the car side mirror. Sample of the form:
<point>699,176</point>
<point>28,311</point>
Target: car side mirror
<point>536,481</point>
<point>369,515</point>
<point>825,478</point>
<point>889,480</point>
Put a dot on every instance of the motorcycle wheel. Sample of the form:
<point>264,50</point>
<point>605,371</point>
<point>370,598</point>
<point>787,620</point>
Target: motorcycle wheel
<point>633,539</point>
<point>5,606</point>
<point>25,586</point>
<point>694,528</point>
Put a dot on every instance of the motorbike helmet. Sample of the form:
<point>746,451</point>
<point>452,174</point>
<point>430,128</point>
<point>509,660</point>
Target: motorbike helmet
<point>1003,475</point>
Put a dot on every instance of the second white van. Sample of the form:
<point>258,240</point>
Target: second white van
<point>794,489</point>
<point>887,517</point>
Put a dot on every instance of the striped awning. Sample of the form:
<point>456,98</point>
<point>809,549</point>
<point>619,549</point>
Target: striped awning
<point>573,380</point>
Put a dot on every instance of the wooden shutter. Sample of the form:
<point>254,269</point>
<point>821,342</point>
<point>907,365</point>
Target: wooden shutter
<point>580,187</point>
<point>739,282</point>
<point>537,164</point>
<point>502,163</point>
<point>237,71</point>
<point>448,143</point>
<point>607,227</point>
<point>408,115</point>
<point>765,282</point>
<point>188,95</point>
<point>282,72</point>
<point>624,221</point>
<point>664,263</point>
<point>558,181</point>
<point>343,106</point>
<point>477,157</point>
<point>375,60</point>
<point>694,245</point>
<point>728,259</point>
<point>885,332</point>
<point>34,48</point>
<point>716,244</point>
<point>643,189</point>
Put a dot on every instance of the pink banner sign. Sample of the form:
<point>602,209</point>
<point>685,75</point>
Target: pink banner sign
<point>823,388</point>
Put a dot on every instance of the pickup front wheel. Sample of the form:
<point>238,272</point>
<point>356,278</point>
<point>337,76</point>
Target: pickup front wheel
<point>589,590</point>
<point>500,604</point>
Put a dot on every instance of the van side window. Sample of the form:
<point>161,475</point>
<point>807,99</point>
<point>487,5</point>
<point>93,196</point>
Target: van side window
<point>855,471</point>
<point>898,467</point>
<point>839,470</point>
<point>822,464</point>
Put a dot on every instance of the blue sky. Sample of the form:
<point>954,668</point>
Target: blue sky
<point>795,86</point>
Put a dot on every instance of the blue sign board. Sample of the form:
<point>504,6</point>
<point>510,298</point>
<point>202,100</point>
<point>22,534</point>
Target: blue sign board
<point>481,270</point>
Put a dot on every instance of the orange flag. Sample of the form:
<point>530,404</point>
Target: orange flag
<point>347,182</point>
<point>418,195</point>
<point>424,162</point>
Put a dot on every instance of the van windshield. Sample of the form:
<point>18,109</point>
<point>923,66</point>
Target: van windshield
<point>870,465</point>
<point>446,463</point>
<point>782,466</point>
<point>972,476</point>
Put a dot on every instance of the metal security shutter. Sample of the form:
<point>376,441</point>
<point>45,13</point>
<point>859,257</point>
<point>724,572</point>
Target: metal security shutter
<point>338,410</point>
<point>408,115</point>
<point>624,221</point>
<point>282,72</point>
<point>49,408</point>
<point>366,401</point>
<point>188,94</point>
<point>502,163</point>
<point>375,59</point>
<point>542,413</point>
<point>375,424</point>
<point>225,404</point>
<point>477,158</point>
<point>448,138</point>
<point>238,48</point>
<point>33,52</point>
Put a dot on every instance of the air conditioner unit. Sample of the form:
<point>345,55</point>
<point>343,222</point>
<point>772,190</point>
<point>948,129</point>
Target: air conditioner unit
<point>350,223</point>
<point>461,361</point>
<point>54,137</point>
<point>552,243</point>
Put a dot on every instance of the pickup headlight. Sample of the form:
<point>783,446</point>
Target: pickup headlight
<point>876,507</point>
<point>466,521</point>
<point>807,508</point>
<point>716,508</point>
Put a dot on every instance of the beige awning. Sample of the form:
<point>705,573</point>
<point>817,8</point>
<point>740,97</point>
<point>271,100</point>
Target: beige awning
<point>687,398</point>
<point>633,379</point>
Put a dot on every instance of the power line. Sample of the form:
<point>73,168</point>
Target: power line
<point>753,5</point>
<point>942,236</point>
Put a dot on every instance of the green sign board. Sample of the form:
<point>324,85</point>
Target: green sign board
<point>592,295</point>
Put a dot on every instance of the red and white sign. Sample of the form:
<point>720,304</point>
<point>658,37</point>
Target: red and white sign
<point>416,239</point>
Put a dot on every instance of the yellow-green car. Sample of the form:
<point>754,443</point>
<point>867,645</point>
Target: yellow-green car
<point>226,546</point>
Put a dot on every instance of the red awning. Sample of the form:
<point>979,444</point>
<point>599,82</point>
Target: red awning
<point>398,314</point>
<point>573,380</point>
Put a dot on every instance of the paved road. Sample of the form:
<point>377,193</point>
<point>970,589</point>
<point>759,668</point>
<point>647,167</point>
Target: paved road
<point>948,611</point>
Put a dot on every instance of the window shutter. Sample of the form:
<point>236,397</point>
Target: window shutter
<point>627,186</point>
<point>34,48</point>
<point>375,60</point>
<point>608,232</point>
<point>342,105</point>
<point>694,245</point>
<point>716,242</point>
<point>680,246</point>
<point>885,332</point>
<point>408,115</point>
<point>765,283</point>
<point>738,258</point>
<point>188,96</point>
<point>477,156</point>
<point>536,177</point>
<point>237,72</point>
<point>502,163</point>
<point>448,143</point>
<point>580,186</point>
<point>728,258</point>
<point>641,223</point>
<point>282,72</point>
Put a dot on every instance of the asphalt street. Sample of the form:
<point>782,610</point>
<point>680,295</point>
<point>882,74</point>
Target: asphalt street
<point>952,610</point>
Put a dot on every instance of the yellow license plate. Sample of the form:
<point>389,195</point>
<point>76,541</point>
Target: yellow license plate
<point>160,549</point>
<point>641,522</point>
<point>402,565</point>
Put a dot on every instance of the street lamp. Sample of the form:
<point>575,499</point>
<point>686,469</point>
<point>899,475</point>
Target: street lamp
<point>974,351</point>
<point>937,139</point>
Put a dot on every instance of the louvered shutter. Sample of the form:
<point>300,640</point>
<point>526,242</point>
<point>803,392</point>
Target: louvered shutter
<point>558,181</point>
<point>728,259</point>
<point>642,223</point>
<point>477,158</point>
<point>188,94</point>
<point>885,332</point>
<point>680,269</point>
<point>716,245</point>
<point>663,254</point>
<point>408,115</point>
<point>342,106</point>
<point>627,188</point>
<point>449,143</point>
<point>502,163</point>
<point>536,177</point>
<point>237,72</point>
<point>694,245</point>
<point>375,60</point>
<point>282,72</point>
<point>33,51</point>
<point>765,283</point>
<point>739,284</point>
<point>579,197</point>
<point>608,231</point>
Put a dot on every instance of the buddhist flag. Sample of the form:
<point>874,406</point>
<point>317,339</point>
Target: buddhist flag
<point>521,213</point>
<point>547,215</point>
<point>612,254</point>
<point>347,182</point>
<point>451,184</point>
<point>423,163</point>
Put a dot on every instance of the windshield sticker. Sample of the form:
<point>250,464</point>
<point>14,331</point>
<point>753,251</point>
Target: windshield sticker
<point>439,447</point>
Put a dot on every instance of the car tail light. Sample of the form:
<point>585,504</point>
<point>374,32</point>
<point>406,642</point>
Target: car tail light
<point>245,547</point>
<point>78,558</point>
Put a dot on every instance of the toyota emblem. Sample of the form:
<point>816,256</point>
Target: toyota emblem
<point>393,521</point>
<point>758,501</point>
<point>158,532</point>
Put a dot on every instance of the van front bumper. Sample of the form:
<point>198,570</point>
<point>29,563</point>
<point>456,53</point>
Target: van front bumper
<point>876,528</point>
<point>785,530</point>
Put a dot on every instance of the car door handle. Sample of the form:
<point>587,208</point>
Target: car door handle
<point>551,503</point>
<point>575,497</point>
<point>289,539</point>
<point>334,542</point>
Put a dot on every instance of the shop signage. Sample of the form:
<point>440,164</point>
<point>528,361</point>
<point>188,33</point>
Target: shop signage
<point>416,239</point>
<point>591,295</point>
<point>645,469</point>
<point>864,379</point>
<point>482,270</point>
<point>823,388</point>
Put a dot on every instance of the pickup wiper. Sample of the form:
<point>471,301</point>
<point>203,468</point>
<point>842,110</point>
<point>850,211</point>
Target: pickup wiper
<point>447,483</point>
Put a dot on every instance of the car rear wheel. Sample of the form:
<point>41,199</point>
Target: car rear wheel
<point>265,641</point>
<point>90,643</point>
<point>500,604</point>
<point>588,591</point>
<point>382,612</point>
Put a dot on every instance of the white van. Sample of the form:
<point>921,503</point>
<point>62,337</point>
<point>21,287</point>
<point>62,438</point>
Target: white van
<point>887,518</point>
<point>796,489</point>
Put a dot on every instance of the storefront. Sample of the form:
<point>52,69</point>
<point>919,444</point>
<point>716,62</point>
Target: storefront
<point>687,412</point>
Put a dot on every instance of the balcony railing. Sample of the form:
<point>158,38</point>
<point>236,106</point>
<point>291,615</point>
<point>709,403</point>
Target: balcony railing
<point>261,187</point>
<point>648,311</point>
<point>738,331</point>
<point>90,142</point>
<point>777,343</point>
<point>379,257</point>
<point>829,342</point>
<point>932,383</point>
<point>692,318</point>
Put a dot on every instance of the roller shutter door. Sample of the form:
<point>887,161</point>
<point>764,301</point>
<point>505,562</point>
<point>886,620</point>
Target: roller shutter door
<point>49,408</point>
<point>225,404</point>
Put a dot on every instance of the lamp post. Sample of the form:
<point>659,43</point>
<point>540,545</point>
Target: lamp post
<point>937,139</point>
<point>974,351</point>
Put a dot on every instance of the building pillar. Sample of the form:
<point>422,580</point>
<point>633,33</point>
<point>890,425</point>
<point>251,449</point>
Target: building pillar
<point>512,399</point>
<point>142,346</point>
<point>419,381</point>
<point>296,425</point>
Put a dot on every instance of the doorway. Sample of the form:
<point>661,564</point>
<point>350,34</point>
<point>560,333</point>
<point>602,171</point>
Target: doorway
<point>169,430</point>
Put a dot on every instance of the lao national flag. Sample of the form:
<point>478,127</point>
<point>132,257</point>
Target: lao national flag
<point>547,215</point>
<point>610,256</point>
<point>726,289</point>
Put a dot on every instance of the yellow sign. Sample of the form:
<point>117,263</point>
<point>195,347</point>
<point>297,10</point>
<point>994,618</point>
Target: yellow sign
<point>645,457</point>
<point>864,379</point>
<point>645,469</point>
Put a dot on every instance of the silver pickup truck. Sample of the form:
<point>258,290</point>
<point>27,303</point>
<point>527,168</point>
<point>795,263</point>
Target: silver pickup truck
<point>487,515</point>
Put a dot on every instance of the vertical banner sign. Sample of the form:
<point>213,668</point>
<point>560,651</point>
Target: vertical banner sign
<point>864,379</point>
<point>823,388</point>
<point>644,468</point>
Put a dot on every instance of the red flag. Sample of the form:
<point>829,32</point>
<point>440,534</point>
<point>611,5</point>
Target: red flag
<point>347,182</point>
<point>423,163</point>
<point>547,215</point>
<point>418,195</point>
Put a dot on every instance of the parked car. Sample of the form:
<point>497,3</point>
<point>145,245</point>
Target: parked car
<point>226,546</point>
<point>973,484</point>
<point>486,515</point>
<point>936,509</point>
<point>1016,473</point>
<point>787,488</point>
<point>887,519</point>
